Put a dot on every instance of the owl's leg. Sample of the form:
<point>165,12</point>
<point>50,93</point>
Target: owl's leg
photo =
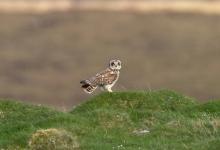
<point>108,88</point>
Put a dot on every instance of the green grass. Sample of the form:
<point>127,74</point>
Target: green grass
<point>110,121</point>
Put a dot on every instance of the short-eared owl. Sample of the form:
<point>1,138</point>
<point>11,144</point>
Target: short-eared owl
<point>105,79</point>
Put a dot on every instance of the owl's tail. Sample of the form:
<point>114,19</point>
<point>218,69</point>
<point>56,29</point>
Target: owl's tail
<point>87,86</point>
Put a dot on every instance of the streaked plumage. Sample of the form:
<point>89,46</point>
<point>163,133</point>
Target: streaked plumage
<point>105,79</point>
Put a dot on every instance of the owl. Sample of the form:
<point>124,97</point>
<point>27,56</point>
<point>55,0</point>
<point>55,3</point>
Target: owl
<point>105,80</point>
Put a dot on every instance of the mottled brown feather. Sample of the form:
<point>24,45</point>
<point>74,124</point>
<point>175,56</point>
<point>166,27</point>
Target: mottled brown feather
<point>106,77</point>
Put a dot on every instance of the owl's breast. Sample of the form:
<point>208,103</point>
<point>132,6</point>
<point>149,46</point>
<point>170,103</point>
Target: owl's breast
<point>114,78</point>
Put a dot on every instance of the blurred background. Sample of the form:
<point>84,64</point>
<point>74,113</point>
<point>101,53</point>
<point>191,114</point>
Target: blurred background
<point>48,46</point>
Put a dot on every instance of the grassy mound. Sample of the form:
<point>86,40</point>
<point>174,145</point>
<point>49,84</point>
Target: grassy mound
<point>123,120</point>
<point>52,139</point>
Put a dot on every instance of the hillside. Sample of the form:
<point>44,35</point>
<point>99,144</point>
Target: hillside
<point>51,53</point>
<point>119,121</point>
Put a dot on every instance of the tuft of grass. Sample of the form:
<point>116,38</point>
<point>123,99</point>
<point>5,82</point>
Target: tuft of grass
<point>52,139</point>
<point>121,120</point>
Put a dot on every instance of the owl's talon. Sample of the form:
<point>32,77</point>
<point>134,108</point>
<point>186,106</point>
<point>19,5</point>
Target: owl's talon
<point>110,91</point>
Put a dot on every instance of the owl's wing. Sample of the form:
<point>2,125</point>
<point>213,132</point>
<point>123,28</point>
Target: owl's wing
<point>105,77</point>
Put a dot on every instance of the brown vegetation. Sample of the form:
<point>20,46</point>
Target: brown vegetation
<point>43,57</point>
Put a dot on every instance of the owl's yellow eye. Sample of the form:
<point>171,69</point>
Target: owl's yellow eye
<point>112,64</point>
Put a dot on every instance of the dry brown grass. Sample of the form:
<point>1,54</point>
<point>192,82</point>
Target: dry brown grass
<point>43,57</point>
<point>53,139</point>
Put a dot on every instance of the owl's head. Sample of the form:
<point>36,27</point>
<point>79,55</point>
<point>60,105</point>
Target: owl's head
<point>115,64</point>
